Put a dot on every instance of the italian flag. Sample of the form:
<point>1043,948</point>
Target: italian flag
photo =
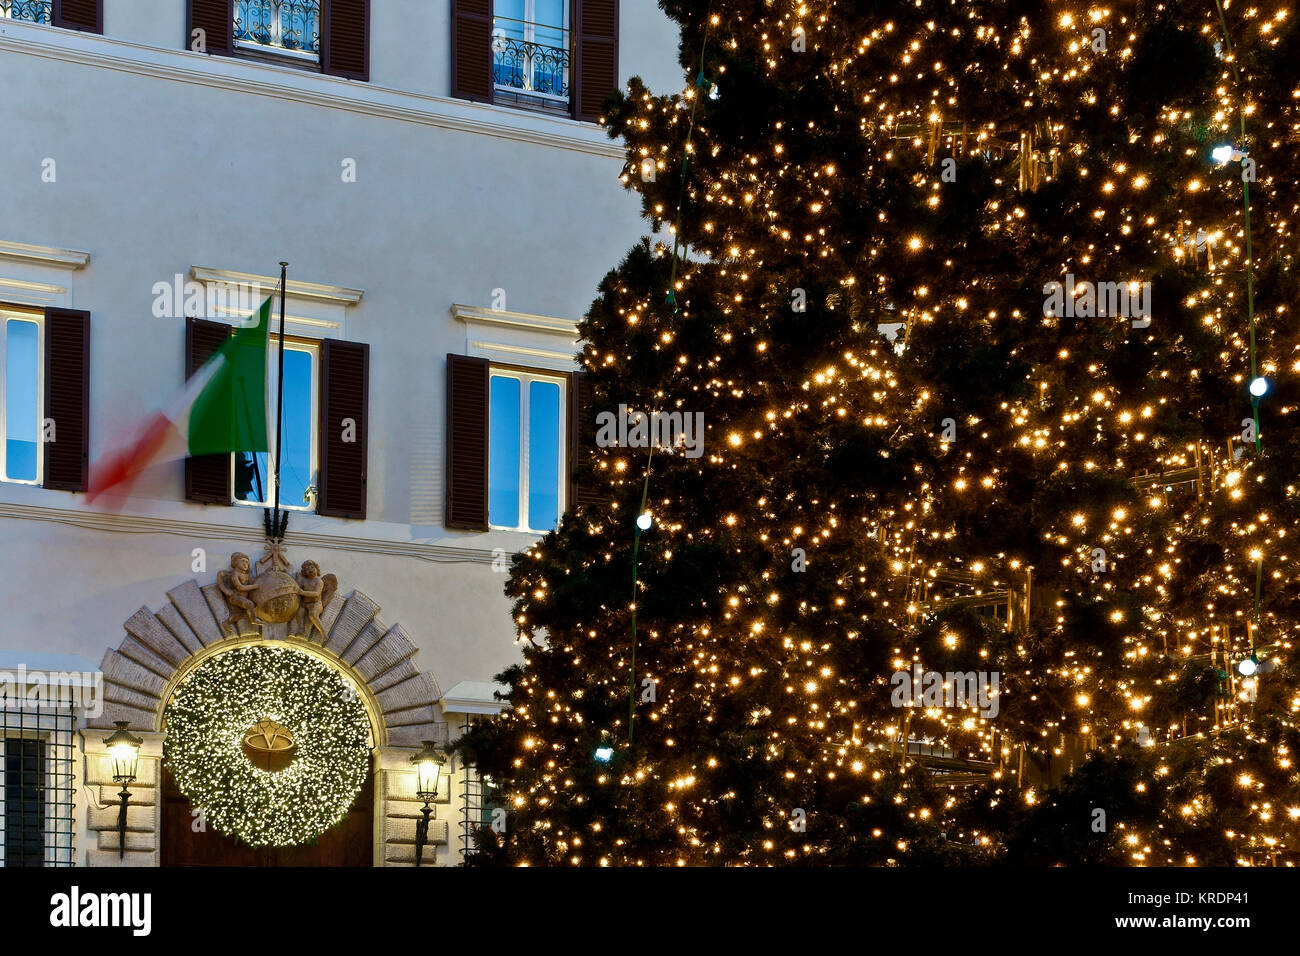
<point>222,409</point>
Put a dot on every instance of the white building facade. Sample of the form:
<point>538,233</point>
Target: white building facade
<point>432,173</point>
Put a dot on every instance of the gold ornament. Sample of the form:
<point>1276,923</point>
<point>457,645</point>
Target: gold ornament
<point>269,745</point>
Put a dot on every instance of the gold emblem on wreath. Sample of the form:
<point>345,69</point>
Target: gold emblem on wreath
<point>269,745</point>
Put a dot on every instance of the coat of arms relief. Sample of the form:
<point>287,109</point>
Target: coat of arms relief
<point>272,594</point>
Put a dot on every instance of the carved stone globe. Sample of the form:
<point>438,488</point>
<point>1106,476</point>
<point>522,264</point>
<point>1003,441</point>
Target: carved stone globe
<point>276,596</point>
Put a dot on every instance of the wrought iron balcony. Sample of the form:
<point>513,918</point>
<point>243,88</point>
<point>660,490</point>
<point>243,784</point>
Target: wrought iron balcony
<point>530,62</point>
<point>33,11</point>
<point>282,26</point>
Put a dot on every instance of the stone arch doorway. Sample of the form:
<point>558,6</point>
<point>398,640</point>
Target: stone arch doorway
<point>161,647</point>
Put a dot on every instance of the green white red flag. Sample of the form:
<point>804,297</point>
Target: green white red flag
<point>222,409</point>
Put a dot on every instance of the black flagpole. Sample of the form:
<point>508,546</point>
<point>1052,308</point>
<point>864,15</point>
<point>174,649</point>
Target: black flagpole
<point>279,409</point>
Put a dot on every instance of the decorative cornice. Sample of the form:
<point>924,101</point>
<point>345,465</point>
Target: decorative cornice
<point>286,83</point>
<point>18,292</point>
<point>473,697</point>
<point>479,315</point>
<point>465,705</point>
<point>43,255</point>
<point>337,294</point>
<point>147,524</point>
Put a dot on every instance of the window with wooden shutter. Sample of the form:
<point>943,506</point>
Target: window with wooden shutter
<point>582,439</point>
<point>345,38</point>
<point>216,19</point>
<point>67,397</point>
<point>467,443</point>
<point>595,59</point>
<point>207,477</point>
<point>345,389</point>
<point>471,50</point>
<point>87,15</point>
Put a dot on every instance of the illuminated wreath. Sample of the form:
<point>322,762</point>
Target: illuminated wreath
<point>257,707</point>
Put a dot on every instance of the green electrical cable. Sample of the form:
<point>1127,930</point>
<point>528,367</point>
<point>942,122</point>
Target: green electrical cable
<point>686,162</point>
<point>1250,293</point>
<point>672,300</point>
<point>1245,192</point>
<point>636,549</point>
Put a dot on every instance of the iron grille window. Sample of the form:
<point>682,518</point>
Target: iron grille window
<point>36,785</point>
<point>471,801</point>
<point>531,53</point>
<point>33,11</point>
<point>283,26</point>
<point>479,800</point>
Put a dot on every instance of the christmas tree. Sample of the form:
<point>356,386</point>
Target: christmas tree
<point>985,554</point>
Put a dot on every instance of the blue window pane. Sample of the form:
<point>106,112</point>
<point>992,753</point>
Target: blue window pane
<point>503,453</point>
<point>21,422</point>
<point>295,472</point>
<point>549,13</point>
<point>254,480</point>
<point>511,9</point>
<point>543,455</point>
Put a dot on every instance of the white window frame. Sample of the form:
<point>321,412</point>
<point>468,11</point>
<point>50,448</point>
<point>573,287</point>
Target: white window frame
<point>530,21</point>
<point>273,425</point>
<point>530,36</point>
<point>526,376</point>
<point>23,315</point>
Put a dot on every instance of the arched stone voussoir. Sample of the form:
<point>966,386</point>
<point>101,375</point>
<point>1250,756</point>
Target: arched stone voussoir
<point>121,670</point>
<point>189,600</point>
<point>387,653</point>
<point>356,613</point>
<point>131,698</point>
<point>331,612</point>
<point>172,620</point>
<point>142,655</point>
<point>414,735</point>
<point>417,691</point>
<point>112,712</point>
<point>370,635</point>
<point>153,634</point>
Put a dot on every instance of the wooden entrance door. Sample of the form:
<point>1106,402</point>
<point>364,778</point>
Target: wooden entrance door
<point>347,844</point>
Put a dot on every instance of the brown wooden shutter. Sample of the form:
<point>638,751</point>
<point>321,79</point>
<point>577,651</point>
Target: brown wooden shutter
<point>207,477</point>
<point>85,15</point>
<point>595,56</point>
<point>345,38</point>
<point>67,398</point>
<point>471,50</point>
<point>344,395</point>
<point>216,18</point>
<point>582,439</point>
<point>467,443</point>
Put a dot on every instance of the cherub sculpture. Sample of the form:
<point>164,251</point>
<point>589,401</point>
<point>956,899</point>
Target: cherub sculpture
<point>235,584</point>
<point>315,592</point>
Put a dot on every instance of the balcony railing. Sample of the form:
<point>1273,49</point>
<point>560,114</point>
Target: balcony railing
<point>33,11</point>
<point>530,62</point>
<point>283,26</point>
